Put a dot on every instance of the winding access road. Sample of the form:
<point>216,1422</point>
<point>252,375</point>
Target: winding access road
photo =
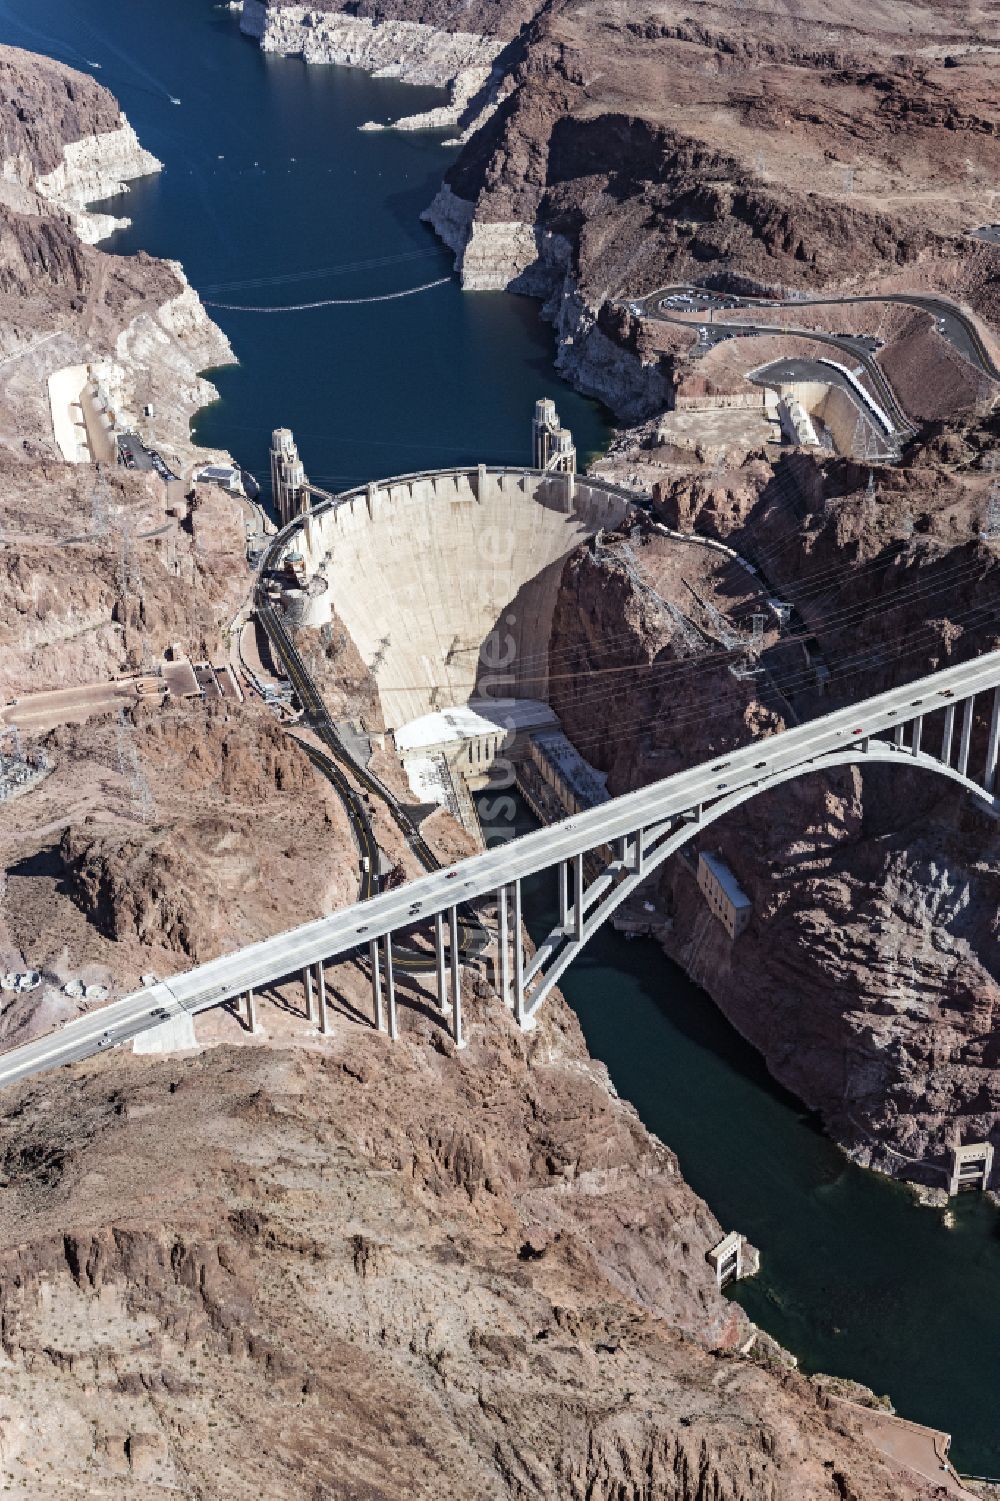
<point>857,348</point>
<point>954,325</point>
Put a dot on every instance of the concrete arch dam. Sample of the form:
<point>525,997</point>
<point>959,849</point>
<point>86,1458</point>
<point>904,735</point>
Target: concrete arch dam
<point>425,571</point>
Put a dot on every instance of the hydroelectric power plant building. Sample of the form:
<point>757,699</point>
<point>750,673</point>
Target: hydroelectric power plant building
<point>726,899</point>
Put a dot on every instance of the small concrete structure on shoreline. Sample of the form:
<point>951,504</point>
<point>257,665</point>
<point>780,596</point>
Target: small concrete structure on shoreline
<point>733,1259</point>
<point>971,1167</point>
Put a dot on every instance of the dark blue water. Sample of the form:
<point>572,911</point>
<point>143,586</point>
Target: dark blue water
<point>856,1279</point>
<point>267,177</point>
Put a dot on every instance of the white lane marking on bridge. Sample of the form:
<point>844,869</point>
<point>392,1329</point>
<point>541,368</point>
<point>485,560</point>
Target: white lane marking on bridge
<point>328,938</point>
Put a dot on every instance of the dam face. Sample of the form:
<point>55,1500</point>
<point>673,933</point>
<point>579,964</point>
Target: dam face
<point>424,571</point>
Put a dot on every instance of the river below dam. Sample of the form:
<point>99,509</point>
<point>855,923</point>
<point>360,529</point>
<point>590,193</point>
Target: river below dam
<point>272,196</point>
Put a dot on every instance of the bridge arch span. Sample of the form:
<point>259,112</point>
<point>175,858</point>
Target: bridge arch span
<point>662,841</point>
<point>643,828</point>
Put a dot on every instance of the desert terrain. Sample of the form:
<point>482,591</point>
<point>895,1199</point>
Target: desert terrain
<point>287,1264</point>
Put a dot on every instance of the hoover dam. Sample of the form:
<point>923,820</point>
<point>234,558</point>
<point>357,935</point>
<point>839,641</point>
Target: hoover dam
<point>427,572</point>
<point>379,1208</point>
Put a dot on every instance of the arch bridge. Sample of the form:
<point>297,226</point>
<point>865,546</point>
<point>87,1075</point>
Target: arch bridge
<point>927,724</point>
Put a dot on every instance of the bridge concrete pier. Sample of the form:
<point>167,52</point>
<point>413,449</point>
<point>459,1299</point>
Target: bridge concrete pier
<point>251,1012</point>
<point>993,743</point>
<point>442,987</point>
<point>373,949</point>
<point>503,944</point>
<point>520,997</point>
<point>946,734</point>
<point>917,736</point>
<point>966,739</point>
<point>456,979</point>
<point>307,980</point>
<point>321,1019</point>
<point>390,986</point>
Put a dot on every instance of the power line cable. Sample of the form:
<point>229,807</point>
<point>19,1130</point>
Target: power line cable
<point>835,620</point>
<point>838,621</point>
<point>848,668</point>
<point>665,674</point>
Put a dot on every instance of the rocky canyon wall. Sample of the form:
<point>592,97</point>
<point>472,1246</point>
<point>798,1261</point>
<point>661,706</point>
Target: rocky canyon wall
<point>355,1267</point>
<point>98,166</point>
<point>868,975</point>
<point>389,47</point>
<point>297,1265</point>
<point>64,144</point>
<point>134,321</point>
<point>517,256</point>
<point>101,569</point>
<point>736,173</point>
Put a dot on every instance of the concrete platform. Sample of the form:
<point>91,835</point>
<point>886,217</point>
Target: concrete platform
<point>38,712</point>
<point>175,1035</point>
<point>911,1446</point>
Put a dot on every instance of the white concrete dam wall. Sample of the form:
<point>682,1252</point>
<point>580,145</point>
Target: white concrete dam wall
<point>423,572</point>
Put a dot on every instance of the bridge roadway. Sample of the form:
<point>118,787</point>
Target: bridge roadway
<point>654,809</point>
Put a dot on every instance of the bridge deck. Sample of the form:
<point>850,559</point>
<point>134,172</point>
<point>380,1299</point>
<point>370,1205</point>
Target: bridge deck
<point>327,938</point>
<point>481,875</point>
